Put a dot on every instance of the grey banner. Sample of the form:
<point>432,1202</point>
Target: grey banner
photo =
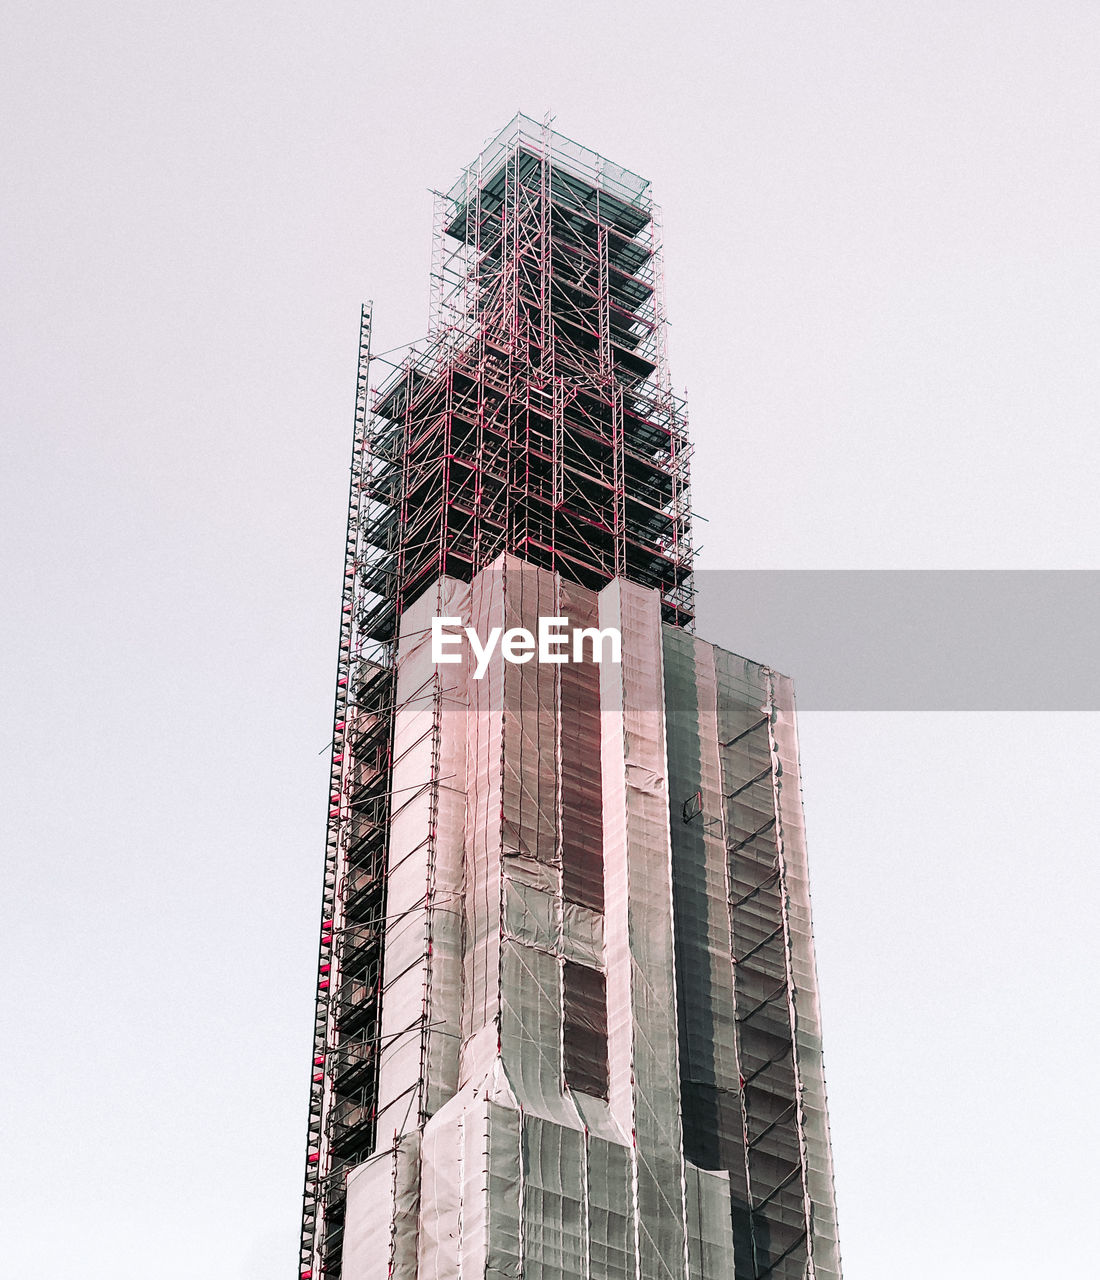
<point>914,640</point>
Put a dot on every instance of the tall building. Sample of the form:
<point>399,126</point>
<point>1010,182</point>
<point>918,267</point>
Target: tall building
<point>567,1018</point>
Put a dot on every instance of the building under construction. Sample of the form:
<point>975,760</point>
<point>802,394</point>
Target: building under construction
<point>567,1019</point>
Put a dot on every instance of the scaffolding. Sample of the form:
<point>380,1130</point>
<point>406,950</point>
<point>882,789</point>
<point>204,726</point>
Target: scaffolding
<point>536,419</point>
<point>751,1080</point>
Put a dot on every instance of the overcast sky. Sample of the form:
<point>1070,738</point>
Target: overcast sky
<point>881,255</point>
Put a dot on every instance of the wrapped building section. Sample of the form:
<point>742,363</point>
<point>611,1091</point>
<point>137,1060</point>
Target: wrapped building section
<point>753,1090</point>
<point>631,1092</point>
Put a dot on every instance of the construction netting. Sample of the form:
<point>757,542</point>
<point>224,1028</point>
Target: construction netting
<point>423,956</point>
<point>600,1048</point>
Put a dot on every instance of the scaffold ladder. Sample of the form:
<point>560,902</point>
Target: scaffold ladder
<point>317,1151</point>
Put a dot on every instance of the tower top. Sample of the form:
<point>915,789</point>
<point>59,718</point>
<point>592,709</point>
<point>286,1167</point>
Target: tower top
<point>521,133</point>
<point>538,418</point>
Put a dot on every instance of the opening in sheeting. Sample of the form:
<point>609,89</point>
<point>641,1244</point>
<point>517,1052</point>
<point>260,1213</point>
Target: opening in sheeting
<point>585,1031</point>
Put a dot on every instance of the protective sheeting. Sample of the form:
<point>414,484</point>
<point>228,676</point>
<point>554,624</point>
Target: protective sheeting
<point>501,1193</point>
<point>581,798</point>
<point>783,1212</point>
<point>710,1233</point>
<point>770,1235</point>
<point>509,1194</point>
<point>471,1187</point>
<point>584,1042</point>
<point>445,910</point>
<point>554,1200</point>
<point>406,1208</point>
<point>503,1224</point>
<point>611,1210</point>
<point>383,1209</point>
<point>590,1046</point>
<point>422,967</point>
<point>704,974</point>
<point>443,1228</point>
<point>471,1183</point>
<point>582,934</point>
<point>518,924</point>
<point>528,706</point>
<point>641,974</point>
<point>513,899</point>
<point>645,1083</point>
<point>484,888</point>
<point>530,976</point>
<point>531,915</point>
<point>531,1031</point>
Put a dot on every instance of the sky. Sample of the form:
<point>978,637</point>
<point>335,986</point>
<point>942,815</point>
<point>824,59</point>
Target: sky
<point>881,263</point>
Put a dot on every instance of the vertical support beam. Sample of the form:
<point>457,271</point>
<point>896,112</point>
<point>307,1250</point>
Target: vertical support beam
<point>618,521</point>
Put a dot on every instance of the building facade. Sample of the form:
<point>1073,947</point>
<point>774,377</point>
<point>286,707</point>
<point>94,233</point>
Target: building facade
<point>567,1018</point>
